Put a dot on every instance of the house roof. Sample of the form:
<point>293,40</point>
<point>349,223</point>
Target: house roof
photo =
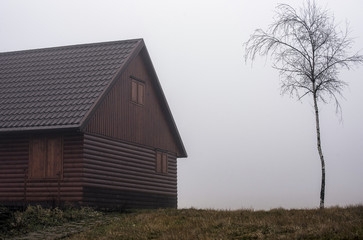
<point>56,87</point>
<point>60,87</point>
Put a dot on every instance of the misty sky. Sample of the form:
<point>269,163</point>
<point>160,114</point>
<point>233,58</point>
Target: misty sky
<point>248,146</point>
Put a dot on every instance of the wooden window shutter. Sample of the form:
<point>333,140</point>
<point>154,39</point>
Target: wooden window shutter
<point>54,156</point>
<point>158,162</point>
<point>37,157</point>
<point>134,91</point>
<point>165,163</point>
<point>45,157</point>
<point>161,162</point>
<point>140,93</point>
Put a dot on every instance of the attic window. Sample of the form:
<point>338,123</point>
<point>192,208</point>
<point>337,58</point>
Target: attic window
<point>45,157</point>
<point>137,92</point>
<point>161,162</point>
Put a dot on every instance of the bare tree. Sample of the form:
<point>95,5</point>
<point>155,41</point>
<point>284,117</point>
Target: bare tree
<point>308,49</point>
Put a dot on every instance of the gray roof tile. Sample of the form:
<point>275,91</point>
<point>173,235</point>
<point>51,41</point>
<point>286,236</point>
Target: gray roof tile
<point>57,86</point>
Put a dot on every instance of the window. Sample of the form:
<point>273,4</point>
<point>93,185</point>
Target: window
<point>45,157</point>
<point>161,162</point>
<point>137,92</point>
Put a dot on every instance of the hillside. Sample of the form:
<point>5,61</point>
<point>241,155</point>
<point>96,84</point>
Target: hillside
<point>330,223</point>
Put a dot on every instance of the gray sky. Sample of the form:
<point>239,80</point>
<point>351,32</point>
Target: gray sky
<point>248,146</point>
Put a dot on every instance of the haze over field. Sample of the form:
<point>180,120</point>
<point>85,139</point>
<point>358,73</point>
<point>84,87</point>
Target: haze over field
<point>248,146</point>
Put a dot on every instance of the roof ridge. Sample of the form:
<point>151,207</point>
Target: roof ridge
<point>79,45</point>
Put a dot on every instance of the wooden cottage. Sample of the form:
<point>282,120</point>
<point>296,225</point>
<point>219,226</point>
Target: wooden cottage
<point>87,124</point>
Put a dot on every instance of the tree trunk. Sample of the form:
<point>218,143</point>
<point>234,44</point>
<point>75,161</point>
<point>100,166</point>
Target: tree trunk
<point>322,190</point>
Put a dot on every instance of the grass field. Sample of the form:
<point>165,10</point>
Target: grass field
<point>330,223</point>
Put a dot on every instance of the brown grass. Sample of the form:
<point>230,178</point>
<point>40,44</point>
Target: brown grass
<point>331,223</point>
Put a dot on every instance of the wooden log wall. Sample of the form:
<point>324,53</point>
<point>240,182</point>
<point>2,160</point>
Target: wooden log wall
<point>17,189</point>
<point>123,175</point>
<point>14,153</point>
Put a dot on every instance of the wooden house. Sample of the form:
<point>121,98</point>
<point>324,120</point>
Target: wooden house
<point>87,124</point>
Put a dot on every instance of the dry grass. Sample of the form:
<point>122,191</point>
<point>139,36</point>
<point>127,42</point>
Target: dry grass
<point>331,223</point>
<point>35,218</point>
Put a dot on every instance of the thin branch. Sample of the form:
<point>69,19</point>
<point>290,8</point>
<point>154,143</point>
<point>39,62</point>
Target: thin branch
<point>306,47</point>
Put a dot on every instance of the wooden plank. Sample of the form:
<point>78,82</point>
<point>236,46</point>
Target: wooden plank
<point>37,157</point>
<point>134,91</point>
<point>164,163</point>
<point>129,178</point>
<point>140,93</point>
<point>54,159</point>
<point>128,198</point>
<point>158,162</point>
<point>118,145</point>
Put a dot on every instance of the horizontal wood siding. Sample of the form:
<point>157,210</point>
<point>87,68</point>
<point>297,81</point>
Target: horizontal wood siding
<point>122,199</point>
<point>121,118</point>
<point>119,174</point>
<point>17,189</point>
<point>13,164</point>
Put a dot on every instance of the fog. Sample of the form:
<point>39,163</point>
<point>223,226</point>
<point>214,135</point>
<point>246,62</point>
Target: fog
<point>248,146</point>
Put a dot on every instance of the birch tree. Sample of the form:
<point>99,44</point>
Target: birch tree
<point>308,49</point>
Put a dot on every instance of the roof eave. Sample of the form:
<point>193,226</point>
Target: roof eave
<point>39,128</point>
